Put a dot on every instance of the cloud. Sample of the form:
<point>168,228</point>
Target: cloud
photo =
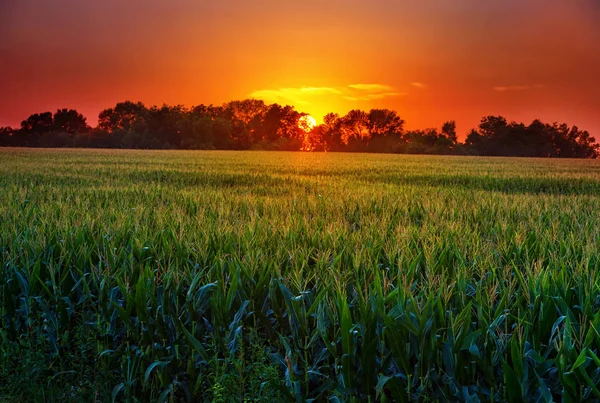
<point>296,95</point>
<point>511,88</point>
<point>371,87</point>
<point>292,93</point>
<point>371,97</point>
<point>306,95</point>
<point>386,95</point>
<point>418,84</point>
<point>317,90</point>
<point>369,92</point>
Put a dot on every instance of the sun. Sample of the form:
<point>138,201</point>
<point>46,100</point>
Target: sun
<point>307,123</point>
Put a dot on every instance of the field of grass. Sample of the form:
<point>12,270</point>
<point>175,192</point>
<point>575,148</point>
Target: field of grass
<point>261,277</point>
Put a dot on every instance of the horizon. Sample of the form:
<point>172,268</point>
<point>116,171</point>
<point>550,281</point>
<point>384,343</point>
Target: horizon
<point>429,62</point>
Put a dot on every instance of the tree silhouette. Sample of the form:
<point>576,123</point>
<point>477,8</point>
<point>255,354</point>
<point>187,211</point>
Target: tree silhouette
<point>498,137</point>
<point>6,136</point>
<point>253,124</point>
<point>124,116</point>
<point>70,121</point>
<point>331,133</point>
<point>355,129</point>
<point>385,131</point>
<point>449,131</point>
<point>34,127</point>
<point>38,123</point>
<point>282,122</point>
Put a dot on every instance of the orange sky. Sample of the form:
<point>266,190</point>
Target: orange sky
<point>431,60</point>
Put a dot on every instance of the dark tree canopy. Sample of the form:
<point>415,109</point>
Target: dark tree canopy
<point>70,121</point>
<point>495,136</point>
<point>38,123</point>
<point>253,124</point>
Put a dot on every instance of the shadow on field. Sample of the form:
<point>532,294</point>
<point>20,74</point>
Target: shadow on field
<point>269,184</point>
<point>517,185</point>
<point>260,184</point>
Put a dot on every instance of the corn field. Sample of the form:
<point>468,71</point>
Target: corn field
<point>176,276</point>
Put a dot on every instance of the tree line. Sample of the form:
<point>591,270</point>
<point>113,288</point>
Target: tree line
<point>253,124</point>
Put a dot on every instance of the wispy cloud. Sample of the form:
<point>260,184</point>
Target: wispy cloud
<point>305,95</point>
<point>293,94</point>
<point>418,84</point>
<point>386,95</point>
<point>371,87</point>
<point>370,92</point>
<point>371,97</point>
<point>502,88</point>
<point>318,90</point>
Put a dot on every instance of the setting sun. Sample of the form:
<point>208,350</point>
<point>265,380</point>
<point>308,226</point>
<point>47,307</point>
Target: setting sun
<point>307,123</point>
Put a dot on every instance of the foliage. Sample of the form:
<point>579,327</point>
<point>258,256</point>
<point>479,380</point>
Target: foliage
<point>231,276</point>
<point>252,124</point>
<point>498,137</point>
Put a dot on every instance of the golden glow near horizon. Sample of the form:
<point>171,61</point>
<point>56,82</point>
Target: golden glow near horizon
<point>307,123</point>
<point>431,61</point>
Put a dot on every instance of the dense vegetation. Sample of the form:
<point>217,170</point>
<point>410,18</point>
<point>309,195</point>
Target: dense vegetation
<point>252,124</point>
<point>260,277</point>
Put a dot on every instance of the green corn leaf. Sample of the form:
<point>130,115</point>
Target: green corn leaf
<point>152,366</point>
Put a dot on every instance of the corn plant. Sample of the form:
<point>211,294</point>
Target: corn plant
<point>252,276</point>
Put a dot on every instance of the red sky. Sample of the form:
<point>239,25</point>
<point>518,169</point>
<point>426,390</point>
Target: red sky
<point>431,60</point>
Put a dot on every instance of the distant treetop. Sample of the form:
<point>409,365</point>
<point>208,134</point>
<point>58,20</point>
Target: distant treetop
<point>253,124</point>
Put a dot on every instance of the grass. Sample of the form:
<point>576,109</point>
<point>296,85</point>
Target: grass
<point>256,276</point>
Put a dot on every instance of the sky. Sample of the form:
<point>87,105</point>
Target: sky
<point>430,60</point>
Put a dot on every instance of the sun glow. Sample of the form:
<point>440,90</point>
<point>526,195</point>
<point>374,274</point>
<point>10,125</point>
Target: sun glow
<point>307,123</point>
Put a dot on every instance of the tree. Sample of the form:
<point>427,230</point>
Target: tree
<point>384,122</point>
<point>329,134</point>
<point>6,136</point>
<point>32,129</point>
<point>246,117</point>
<point>70,121</point>
<point>221,132</point>
<point>430,141</point>
<point>281,122</point>
<point>449,131</point>
<point>447,139</point>
<point>315,139</point>
<point>422,142</point>
<point>386,129</point>
<point>252,124</point>
<point>535,140</point>
<point>493,126</point>
<point>582,145</point>
<point>38,123</point>
<point>162,125</point>
<point>475,143</point>
<point>204,127</point>
<point>125,116</point>
<point>355,126</point>
<point>498,137</point>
